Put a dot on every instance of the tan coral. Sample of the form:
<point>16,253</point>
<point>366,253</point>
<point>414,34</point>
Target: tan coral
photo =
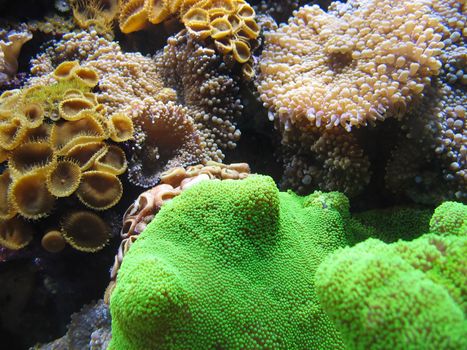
<point>349,68</point>
<point>64,178</point>
<point>9,53</point>
<point>85,231</point>
<point>12,133</point>
<point>30,196</point>
<point>15,233</point>
<point>99,190</point>
<point>53,241</point>
<point>133,16</point>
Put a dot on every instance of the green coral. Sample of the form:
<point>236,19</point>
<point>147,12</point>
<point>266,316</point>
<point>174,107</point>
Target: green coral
<point>228,265</point>
<point>389,224</point>
<point>450,218</point>
<point>404,295</point>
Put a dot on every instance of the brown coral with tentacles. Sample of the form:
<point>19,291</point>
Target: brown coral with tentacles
<point>54,139</point>
<point>172,183</point>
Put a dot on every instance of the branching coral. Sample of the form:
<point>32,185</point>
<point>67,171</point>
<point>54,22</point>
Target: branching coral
<point>54,141</point>
<point>188,91</point>
<point>227,264</point>
<point>9,52</point>
<point>230,24</point>
<point>399,295</point>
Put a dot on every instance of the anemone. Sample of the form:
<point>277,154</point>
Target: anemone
<point>85,154</point>
<point>112,161</point>
<point>122,127</point>
<point>29,156</point>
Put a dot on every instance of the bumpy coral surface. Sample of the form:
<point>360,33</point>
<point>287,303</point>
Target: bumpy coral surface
<point>399,295</point>
<point>350,66</point>
<point>228,264</point>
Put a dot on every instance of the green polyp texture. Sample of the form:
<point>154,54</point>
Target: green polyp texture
<point>229,265</point>
<point>402,295</point>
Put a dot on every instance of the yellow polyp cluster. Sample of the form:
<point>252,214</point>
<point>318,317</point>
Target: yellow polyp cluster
<point>54,140</point>
<point>230,23</point>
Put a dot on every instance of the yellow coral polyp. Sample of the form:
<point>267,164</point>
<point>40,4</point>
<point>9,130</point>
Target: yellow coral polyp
<point>29,156</point>
<point>63,179</point>
<point>67,134</point>
<point>86,76</point>
<point>199,30</point>
<point>12,133</point>
<point>30,196</point>
<point>241,51</point>
<point>85,231</point>
<point>53,241</point>
<point>73,93</point>
<point>7,211</point>
<point>99,190</point>
<point>113,161</point>
<point>63,70</point>
<point>246,11</point>
<point>15,233</point>
<point>75,108</point>
<point>85,154</point>
<point>122,127</point>
<point>158,10</point>
<point>34,115</point>
<point>222,5</point>
<point>133,16</point>
<point>223,45</point>
<point>249,29</point>
<point>220,28</point>
<point>196,15</point>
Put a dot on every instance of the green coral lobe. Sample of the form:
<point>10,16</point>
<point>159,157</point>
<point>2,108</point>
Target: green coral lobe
<point>228,265</point>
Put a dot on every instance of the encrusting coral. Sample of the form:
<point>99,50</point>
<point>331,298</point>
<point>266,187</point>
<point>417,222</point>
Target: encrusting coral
<point>230,24</point>
<point>401,294</point>
<point>187,89</point>
<point>53,138</point>
<point>227,264</point>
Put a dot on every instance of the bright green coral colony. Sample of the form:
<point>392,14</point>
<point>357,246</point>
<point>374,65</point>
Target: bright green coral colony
<point>228,265</point>
<point>403,295</point>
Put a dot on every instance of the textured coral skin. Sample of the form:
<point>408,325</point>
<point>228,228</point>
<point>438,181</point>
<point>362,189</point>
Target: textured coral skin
<point>228,265</point>
<point>403,295</point>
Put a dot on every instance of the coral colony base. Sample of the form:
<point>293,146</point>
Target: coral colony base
<point>232,174</point>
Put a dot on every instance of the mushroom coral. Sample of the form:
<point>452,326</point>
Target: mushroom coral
<point>227,264</point>
<point>398,295</point>
<point>54,141</point>
<point>230,24</point>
